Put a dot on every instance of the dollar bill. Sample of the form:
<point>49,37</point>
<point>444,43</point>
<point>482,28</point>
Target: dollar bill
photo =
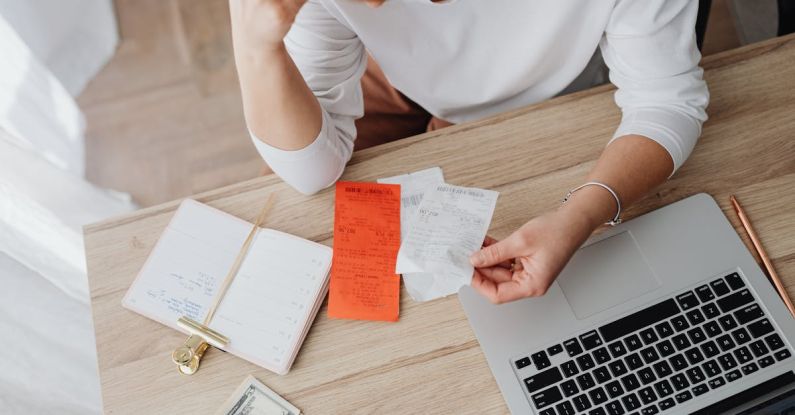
<point>252,397</point>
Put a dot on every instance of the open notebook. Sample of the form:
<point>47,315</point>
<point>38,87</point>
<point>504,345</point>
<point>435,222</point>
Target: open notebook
<point>270,304</point>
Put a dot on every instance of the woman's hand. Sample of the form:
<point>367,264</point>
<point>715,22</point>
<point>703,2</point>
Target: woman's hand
<point>261,25</point>
<point>527,262</point>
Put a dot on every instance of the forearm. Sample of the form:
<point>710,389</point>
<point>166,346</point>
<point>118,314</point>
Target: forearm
<point>632,166</point>
<point>279,107</point>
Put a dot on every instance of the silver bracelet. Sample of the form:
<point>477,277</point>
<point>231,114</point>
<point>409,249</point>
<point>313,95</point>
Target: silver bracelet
<point>616,219</point>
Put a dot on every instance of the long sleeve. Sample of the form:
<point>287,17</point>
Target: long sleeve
<point>650,49</point>
<point>331,59</point>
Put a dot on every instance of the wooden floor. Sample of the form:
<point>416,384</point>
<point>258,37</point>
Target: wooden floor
<point>165,118</point>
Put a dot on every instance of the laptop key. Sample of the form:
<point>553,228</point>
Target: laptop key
<point>735,281</point>
<point>650,410</point>
<point>663,388</point>
<point>639,320</point>
<point>710,310</point>
<point>695,317</point>
<point>630,382</point>
<point>649,355</point>
<point>766,361</point>
<point>601,355</point>
<point>732,375</point>
<point>712,368</point>
<point>725,342</point>
<point>573,347</point>
<point>782,354</point>
<point>712,328</point>
<point>617,349</point>
<point>646,375</point>
<point>694,355</point>
<point>704,293</point>
<point>633,361</point>
<point>598,395</point>
<point>614,408</point>
<point>581,402</point>
<point>760,328</point>
<point>679,381</point>
<point>542,379</point>
<point>586,362</point>
<point>547,397</point>
<point>633,342</point>
<point>695,374</point>
<point>680,323</point>
<point>678,362</point>
<point>565,408</point>
<point>749,313</point>
<point>774,341</point>
<point>597,411</point>
<point>710,349</point>
<point>648,336</point>
<point>696,335</point>
<point>700,389</point>
<point>541,360</point>
<point>614,389</point>
<point>687,300</point>
<point>727,361</point>
<point>683,396</point>
<point>749,368</point>
<point>758,348</point>
<point>680,341</point>
<point>665,348</point>
<point>590,340</point>
<point>631,402</point>
<point>664,329</point>
<point>647,395</point>
<point>666,404</point>
<point>727,322</point>
<point>741,335</point>
<point>618,368</point>
<point>586,381</point>
<point>569,388</point>
<point>523,362</point>
<point>548,411</point>
<point>601,374</point>
<point>735,300</point>
<point>553,350</point>
<point>743,355</point>
<point>569,368</point>
<point>716,382</point>
<point>662,369</point>
<point>720,287</point>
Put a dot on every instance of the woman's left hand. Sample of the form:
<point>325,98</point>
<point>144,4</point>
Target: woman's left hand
<point>527,262</point>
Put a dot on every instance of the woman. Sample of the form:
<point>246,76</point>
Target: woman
<point>301,65</point>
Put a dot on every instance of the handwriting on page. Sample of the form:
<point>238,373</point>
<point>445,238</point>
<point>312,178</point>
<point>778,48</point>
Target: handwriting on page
<point>450,225</point>
<point>364,285</point>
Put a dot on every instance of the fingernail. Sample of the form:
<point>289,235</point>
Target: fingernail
<point>475,258</point>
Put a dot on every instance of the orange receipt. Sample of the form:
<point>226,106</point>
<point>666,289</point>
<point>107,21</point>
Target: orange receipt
<point>364,285</point>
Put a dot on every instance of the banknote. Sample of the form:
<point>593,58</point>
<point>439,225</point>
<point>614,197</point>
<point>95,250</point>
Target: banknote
<point>252,397</point>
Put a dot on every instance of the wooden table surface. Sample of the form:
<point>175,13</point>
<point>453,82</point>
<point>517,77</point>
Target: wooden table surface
<point>430,361</point>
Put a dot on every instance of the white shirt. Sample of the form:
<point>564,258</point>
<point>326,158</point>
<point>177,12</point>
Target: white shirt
<point>468,59</point>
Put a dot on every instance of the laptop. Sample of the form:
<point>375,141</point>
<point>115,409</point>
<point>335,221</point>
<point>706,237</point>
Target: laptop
<point>666,313</point>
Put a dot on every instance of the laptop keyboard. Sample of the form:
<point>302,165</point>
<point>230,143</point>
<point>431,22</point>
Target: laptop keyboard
<point>654,359</point>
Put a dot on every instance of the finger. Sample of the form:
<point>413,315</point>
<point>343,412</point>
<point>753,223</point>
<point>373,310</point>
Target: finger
<point>488,240</point>
<point>504,250</point>
<point>496,273</point>
<point>522,285</point>
<point>484,286</point>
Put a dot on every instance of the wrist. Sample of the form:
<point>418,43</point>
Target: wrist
<point>266,53</point>
<point>592,204</point>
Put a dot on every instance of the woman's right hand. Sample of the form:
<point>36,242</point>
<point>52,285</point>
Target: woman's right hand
<point>260,25</point>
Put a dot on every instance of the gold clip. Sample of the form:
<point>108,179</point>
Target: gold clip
<point>189,355</point>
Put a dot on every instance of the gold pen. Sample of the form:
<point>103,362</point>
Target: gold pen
<point>762,254</point>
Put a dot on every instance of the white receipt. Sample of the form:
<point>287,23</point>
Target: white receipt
<point>420,285</point>
<point>450,224</point>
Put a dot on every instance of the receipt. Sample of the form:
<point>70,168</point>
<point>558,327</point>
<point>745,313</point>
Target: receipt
<point>421,286</point>
<point>450,224</point>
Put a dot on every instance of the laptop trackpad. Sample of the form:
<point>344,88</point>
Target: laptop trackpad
<point>606,273</point>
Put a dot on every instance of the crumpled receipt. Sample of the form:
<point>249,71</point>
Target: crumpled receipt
<point>420,285</point>
<point>449,225</point>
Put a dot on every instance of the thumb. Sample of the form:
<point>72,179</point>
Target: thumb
<point>493,254</point>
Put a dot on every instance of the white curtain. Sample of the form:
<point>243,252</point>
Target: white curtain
<point>48,358</point>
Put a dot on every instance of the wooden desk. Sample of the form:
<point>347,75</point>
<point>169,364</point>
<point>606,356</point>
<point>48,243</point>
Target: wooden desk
<point>429,361</point>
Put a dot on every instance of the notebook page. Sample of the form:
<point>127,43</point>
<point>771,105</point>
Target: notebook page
<point>193,256</point>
